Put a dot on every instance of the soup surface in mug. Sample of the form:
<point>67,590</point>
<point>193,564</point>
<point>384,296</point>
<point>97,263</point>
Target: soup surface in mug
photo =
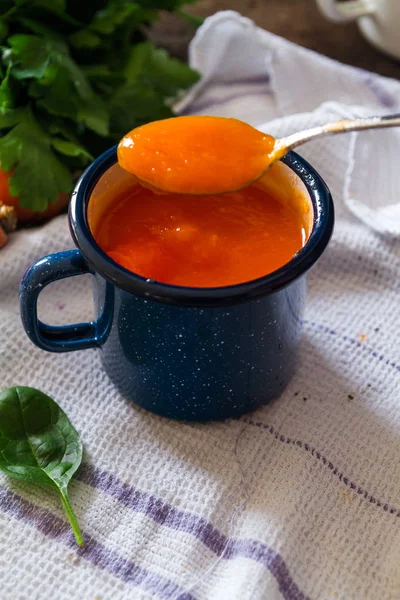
<point>203,241</point>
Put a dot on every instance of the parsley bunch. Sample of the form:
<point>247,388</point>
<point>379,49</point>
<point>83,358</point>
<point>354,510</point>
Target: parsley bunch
<point>76,75</point>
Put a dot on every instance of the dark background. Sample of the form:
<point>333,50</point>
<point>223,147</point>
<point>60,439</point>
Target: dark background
<point>297,20</point>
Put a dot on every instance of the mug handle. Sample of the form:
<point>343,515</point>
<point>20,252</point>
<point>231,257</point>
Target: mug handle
<point>49,337</point>
<point>341,12</point>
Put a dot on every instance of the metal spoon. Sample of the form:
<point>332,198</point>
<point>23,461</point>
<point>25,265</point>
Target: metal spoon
<point>283,145</point>
<point>266,151</point>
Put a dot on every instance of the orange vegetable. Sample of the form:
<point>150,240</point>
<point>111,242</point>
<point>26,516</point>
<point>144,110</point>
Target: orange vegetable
<point>24,215</point>
<point>196,155</point>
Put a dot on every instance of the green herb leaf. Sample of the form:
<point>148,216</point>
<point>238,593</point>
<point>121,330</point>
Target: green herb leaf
<point>61,97</point>
<point>170,75</point>
<point>102,74</point>
<point>115,13</point>
<point>71,149</point>
<point>39,175</point>
<point>9,118</point>
<point>85,39</point>
<point>152,77</point>
<point>77,77</point>
<point>56,127</point>
<point>156,69</point>
<point>80,72</point>
<point>6,95</point>
<point>133,105</point>
<point>30,55</point>
<point>138,62</point>
<point>38,444</point>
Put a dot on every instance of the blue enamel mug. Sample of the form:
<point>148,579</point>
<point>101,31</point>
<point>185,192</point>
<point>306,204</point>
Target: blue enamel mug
<point>194,354</point>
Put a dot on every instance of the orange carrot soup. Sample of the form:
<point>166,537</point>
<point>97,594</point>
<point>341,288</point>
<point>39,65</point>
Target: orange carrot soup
<point>196,155</point>
<point>187,235</point>
<point>202,241</point>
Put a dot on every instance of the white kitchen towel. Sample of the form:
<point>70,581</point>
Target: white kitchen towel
<point>298,500</point>
<point>256,76</point>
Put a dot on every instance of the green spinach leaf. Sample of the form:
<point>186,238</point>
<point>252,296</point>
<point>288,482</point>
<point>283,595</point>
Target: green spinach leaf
<point>38,444</point>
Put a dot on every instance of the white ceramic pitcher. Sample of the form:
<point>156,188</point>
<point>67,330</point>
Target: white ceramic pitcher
<point>378,20</point>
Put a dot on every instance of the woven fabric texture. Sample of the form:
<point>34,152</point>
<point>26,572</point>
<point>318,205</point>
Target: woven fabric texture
<point>300,499</point>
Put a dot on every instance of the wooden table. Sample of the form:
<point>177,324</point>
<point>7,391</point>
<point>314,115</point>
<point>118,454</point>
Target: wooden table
<point>297,20</point>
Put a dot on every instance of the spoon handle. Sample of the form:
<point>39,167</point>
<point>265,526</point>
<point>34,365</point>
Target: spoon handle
<point>342,126</point>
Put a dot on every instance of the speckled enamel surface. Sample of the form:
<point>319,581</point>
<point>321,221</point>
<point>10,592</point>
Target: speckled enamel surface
<point>184,353</point>
<point>202,363</point>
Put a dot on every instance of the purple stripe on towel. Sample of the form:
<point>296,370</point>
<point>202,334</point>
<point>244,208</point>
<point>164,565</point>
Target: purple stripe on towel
<point>165,514</point>
<point>154,508</point>
<point>328,464</point>
<point>251,80</point>
<point>93,551</point>
<point>383,96</point>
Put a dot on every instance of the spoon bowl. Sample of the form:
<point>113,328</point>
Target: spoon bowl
<point>198,155</point>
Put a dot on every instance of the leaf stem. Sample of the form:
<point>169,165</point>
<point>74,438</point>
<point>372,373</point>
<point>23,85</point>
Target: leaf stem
<point>69,511</point>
